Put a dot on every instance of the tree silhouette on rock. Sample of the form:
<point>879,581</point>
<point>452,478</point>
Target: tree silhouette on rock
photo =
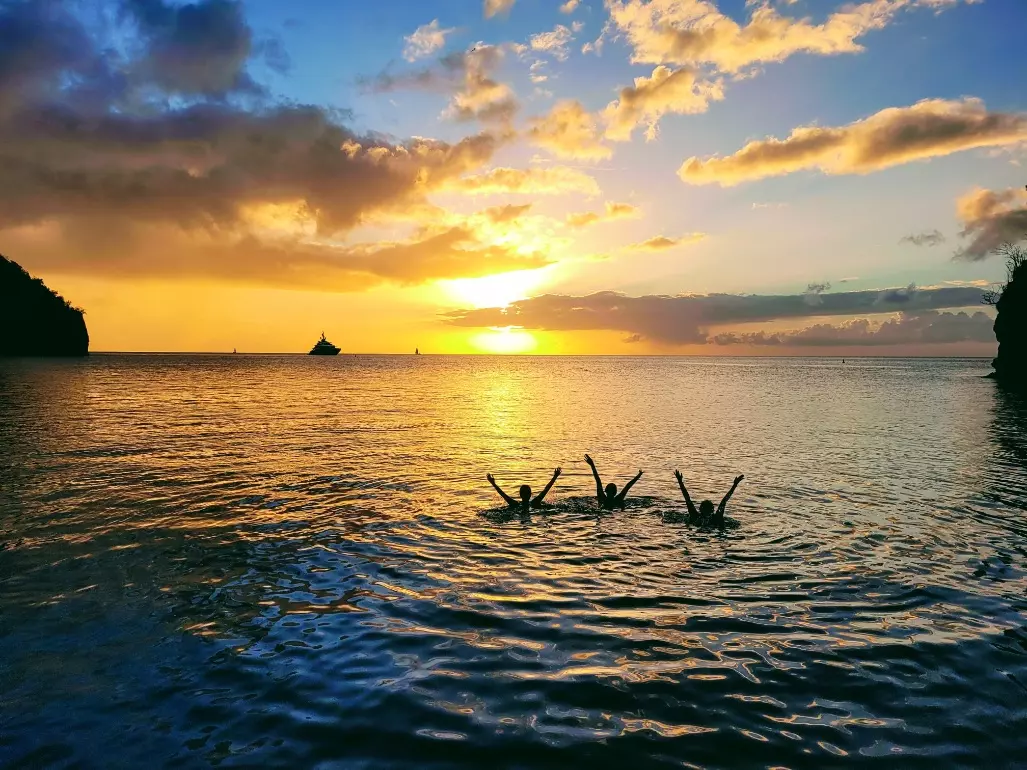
<point>1011,322</point>
<point>35,320</point>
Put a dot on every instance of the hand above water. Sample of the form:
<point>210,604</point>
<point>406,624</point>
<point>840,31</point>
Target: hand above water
<point>491,478</point>
<point>679,477</point>
<point>738,479</point>
<point>590,461</point>
<point>557,472</point>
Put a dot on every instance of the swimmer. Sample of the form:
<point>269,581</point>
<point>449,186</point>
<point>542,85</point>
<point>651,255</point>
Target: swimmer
<point>609,498</point>
<point>526,500</point>
<point>705,513</point>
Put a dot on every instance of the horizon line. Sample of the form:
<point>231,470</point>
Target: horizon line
<point>519,355</point>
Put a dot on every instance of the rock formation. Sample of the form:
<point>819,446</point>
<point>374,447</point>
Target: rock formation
<point>35,320</point>
<point>1011,322</point>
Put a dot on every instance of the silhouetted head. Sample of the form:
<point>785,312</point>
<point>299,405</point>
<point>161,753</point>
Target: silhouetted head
<point>525,493</point>
<point>706,508</point>
<point>611,491</point>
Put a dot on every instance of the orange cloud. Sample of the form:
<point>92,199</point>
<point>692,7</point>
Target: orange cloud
<point>613,211</point>
<point>929,129</point>
<point>569,131</point>
<point>991,219</point>
<point>163,251</point>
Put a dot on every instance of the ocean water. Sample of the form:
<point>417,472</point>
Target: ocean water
<point>245,561</point>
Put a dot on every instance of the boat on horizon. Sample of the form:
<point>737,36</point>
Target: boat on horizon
<point>324,348</point>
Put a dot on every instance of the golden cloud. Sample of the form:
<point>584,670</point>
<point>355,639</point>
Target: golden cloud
<point>695,32</point>
<point>494,7</point>
<point>537,181</point>
<point>897,135</point>
<point>569,131</point>
<point>662,242</point>
<point>164,251</point>
<point>666,91</point>
<point>613,211</point>
<point>482,97</point>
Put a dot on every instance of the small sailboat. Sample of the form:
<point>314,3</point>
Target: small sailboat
<point>324,348</point>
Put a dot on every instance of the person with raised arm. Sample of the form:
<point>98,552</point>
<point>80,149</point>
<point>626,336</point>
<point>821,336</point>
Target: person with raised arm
<point>526,500</point>
<point>608,497</point>
<point>705,514</point>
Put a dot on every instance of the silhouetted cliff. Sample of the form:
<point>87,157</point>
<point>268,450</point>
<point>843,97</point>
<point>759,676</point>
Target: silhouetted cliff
<point>36,321</point>
<point>1011,322</point>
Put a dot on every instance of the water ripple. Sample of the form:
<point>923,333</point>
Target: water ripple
<point>279,561</point>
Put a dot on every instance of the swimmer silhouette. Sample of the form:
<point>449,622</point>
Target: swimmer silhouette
<point>609,498</point>
<point>526,500</point>
<point>705,513</point>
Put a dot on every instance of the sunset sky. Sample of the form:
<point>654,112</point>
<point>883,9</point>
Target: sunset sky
<point>715,177</point>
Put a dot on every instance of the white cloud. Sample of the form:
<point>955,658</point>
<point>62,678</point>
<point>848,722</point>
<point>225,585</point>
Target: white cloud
<point>425,40</point>
<point>553,42</point>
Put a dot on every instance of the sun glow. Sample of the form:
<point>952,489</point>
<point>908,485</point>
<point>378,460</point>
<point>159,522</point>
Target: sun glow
<point>505,340</point>
<point>493,290</point>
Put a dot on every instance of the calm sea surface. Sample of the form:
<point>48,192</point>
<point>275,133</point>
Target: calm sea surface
<point>297,562</point>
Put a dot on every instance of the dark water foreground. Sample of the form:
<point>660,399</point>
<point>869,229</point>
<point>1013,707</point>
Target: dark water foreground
<point>257,561</point>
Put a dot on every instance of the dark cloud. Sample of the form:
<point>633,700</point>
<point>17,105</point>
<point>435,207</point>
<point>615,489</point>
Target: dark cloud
<point>39,42</point>
<point>686,320</point>
<point>467,75</point>
<point>924,327</point>
<point>202,165</point>
<point>929,238</point>
<point>196,48</point>
<point>96,156</point>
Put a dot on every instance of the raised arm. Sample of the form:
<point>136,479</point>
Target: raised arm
<point>600,495</point>
<point>504,495</point>
<point>624,492</point>
<point>684,490</point>
<point>541,495</point>
<point>723,503</point>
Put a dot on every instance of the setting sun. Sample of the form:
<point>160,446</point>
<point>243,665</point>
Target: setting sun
<point>505,340</point>
<point>494,290</point>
